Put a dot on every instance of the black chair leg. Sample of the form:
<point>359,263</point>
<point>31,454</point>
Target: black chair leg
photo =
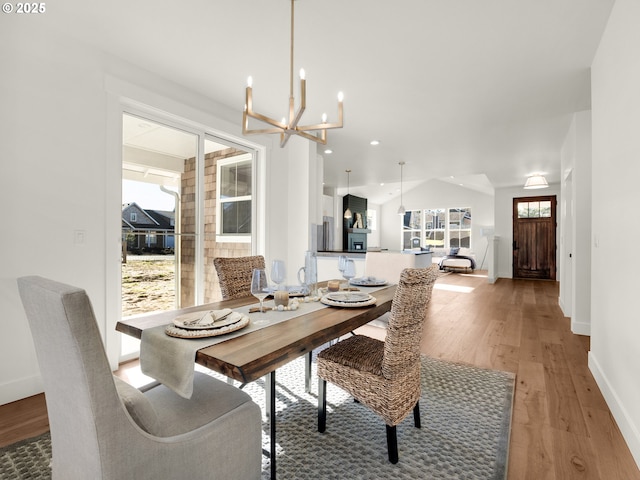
<point>322,405</point>
<point>416,415</point>
<point>392,444</point>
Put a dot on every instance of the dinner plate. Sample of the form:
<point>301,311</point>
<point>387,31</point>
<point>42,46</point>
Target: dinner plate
<point>205,320</point>
<point>368,282</point>
<point>348,299</point>
<point>174,331</point>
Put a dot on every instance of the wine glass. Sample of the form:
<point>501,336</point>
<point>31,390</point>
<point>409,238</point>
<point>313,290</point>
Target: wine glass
<point>342,261</point>
<point>259,285</point>
<point>349,270</point>
<point>278,272</point>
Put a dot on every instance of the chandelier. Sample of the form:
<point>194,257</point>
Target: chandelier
<point>286,128</point>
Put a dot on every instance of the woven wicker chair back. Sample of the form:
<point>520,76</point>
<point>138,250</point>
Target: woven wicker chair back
<point>408,313</point>
<point>234,274</point>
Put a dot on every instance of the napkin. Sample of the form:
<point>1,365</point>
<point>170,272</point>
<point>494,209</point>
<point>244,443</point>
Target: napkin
<point>202,318</point>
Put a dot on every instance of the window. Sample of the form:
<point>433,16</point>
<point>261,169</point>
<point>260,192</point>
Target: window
<point>133,216</point>
<point>234,197</point>
<point>411,228</point>
<point>435,224</point>
<point>437,228</point>
<point>534,209</point>
<point>460,227</point>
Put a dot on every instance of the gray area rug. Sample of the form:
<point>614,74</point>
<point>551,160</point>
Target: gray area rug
<point>465,412</point>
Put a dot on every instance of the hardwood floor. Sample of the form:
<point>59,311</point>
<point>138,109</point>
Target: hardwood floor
<point>561,427</point>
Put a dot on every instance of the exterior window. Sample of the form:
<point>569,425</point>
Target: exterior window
<point>234,197</point>
<point>460,227</point>
<point>435,224</point>
<point>133,216</point>
<point>437,228</point>
<point>534,209</point>
<point>411,229</point>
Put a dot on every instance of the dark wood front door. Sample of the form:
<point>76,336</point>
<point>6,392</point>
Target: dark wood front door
<point>534,237</point>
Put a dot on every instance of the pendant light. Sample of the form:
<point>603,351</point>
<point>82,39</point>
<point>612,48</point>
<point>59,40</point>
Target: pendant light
<point>401,209</point>
<point>347,212</point>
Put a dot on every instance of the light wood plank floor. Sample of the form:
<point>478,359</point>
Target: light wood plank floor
<point>561,428</point>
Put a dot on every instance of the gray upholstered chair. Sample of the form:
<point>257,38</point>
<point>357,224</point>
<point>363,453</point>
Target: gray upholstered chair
<point>103,428</point>
<point>383,376</point>
<point>235,274</point>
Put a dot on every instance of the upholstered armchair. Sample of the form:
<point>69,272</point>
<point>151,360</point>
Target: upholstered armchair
<point>103,428</point>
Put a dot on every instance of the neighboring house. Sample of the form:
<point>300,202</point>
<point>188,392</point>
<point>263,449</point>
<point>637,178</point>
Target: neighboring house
<point>147,231</point>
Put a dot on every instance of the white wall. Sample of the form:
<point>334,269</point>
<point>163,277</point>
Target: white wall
<point>615,322</point>
<point>60,174</point>
<point>52,160</point>
<point>438,194</point>
<point>373,238</point>
<point>575,224</point>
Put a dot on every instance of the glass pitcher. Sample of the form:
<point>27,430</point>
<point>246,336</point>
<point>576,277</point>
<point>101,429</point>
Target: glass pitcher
<point>308,275</point>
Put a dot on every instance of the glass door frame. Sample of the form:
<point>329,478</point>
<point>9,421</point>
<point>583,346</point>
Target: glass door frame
<point>117,107</point>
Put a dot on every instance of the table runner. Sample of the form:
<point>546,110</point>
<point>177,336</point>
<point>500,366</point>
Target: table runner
<point>171,360</point>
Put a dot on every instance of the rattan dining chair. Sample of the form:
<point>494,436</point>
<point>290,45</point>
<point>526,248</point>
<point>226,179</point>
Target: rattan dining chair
<point>383,376</point>
<point>234,274</point>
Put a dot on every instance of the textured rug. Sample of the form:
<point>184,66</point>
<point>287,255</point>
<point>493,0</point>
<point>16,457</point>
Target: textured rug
<point>27,459</point>
<point>465,412</point>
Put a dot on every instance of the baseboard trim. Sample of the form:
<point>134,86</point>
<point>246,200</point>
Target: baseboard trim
<point>628,429</point>
<point>581,328</point>
<point>562,307</point>
<point>21,388</point>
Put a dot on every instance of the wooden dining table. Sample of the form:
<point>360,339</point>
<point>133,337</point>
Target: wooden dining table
<point>259,353</point>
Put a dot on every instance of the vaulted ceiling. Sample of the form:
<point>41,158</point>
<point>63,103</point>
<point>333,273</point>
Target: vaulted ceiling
<point>480,90</point>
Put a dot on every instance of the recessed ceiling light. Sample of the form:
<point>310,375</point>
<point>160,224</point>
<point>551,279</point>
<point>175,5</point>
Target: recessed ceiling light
<point>382,184</point>
<point>328,151</point>
<point>375,142</point>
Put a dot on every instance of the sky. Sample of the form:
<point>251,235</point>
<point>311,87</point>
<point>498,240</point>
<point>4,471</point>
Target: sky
<point>147,195</point>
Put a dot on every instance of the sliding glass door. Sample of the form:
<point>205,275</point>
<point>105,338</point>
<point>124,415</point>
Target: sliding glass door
<point>187,197</point>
